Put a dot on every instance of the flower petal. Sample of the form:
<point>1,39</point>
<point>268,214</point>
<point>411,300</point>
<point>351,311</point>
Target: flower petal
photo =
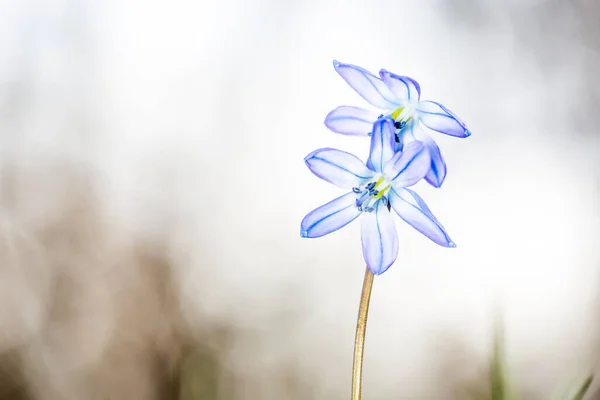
<point>366,84</point>
<point>408,166</point>
<point>406,89</point>
<point>412,209</point>
<point>353,121</point>
<point>383,144</point>
<point>437,117</point>
<point>379,239</point>
<point>437,171</point>
<point>405,136</point>
<point>338,167</point>
<point>330,217</point>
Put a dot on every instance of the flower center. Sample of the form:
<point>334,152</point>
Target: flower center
<point>404,113</point>
<point>373,192</point>
<point>402,116</point>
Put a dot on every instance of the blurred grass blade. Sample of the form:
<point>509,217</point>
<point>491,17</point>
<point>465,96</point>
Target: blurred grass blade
<point>199,375</point>
<point>499,379</point>
<point>584,388</point>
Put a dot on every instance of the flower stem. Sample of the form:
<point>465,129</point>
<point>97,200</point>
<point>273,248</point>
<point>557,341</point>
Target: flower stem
<point>359,341</point>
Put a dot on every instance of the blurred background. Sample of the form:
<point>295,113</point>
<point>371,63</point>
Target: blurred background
<point>152,185</point>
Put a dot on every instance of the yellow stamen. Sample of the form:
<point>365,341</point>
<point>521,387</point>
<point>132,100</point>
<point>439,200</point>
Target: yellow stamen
<point>378,182</point>
<point>397,112</point>
<point>382,192</point>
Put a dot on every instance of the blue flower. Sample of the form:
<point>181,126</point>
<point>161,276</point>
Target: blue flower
<point>376,188</point>
<point>398,97</point>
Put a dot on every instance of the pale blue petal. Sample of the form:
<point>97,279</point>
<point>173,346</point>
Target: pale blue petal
<point>330,217</point>
<point>437,171</point>
<point>408,166</point>
<point>406,89</point>
<point>383,143</point>
<point>437,117</point>
<point>412,209</point>
<point>379,239</point>
<point>353,121</point>
<point>338,167</point>
<point>366,84</point>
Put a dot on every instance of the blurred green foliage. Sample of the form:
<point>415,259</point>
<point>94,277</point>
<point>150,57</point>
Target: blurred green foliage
<point>500,385</point>
<point>202,374</point>
<point>200,377</point>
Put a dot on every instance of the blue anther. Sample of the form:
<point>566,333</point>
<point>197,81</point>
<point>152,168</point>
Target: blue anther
<point>356,190</point>
<point>370,186</point>
<point>359,202</point>
<point>373,192</point>
<point>399,124</point>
